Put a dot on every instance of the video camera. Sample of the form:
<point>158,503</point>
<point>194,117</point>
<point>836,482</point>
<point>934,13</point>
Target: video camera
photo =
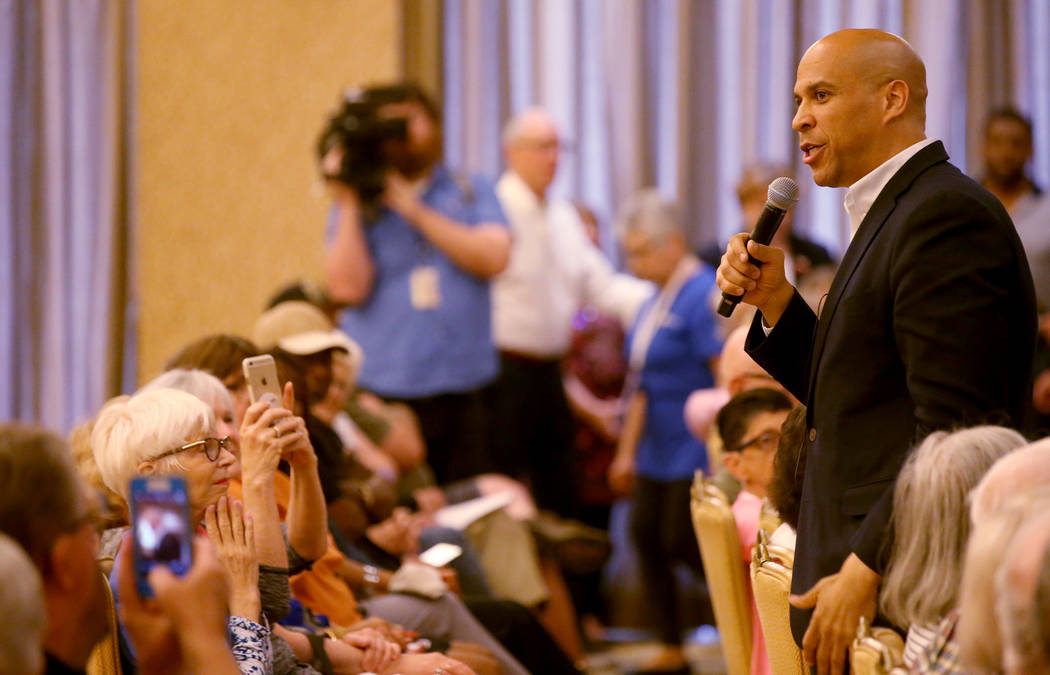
<point>363,135</point>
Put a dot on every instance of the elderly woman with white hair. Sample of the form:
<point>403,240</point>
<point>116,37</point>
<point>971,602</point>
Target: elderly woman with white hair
<point>302,499</point>
<point>673,349</point>
<point>924,573</point>
<point>165,432</point>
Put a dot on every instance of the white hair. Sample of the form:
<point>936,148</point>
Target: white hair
<point>134,430</point>
<point>649,212</point>
<point>1029,467</point>
<point>925,566</point>
<point>200,383</point>
<point>22,614</point>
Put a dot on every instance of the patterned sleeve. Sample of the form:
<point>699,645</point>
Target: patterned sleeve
<point>250,643</point>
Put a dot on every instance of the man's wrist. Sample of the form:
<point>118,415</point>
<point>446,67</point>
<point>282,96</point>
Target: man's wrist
<point>777,304</point>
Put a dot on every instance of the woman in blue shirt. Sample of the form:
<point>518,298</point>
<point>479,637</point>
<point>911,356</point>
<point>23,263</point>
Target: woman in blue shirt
<point>672,350</point>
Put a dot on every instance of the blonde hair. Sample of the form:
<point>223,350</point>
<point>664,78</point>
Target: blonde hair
<point>931,521</point>
<point>115,509</point>
<point>200,383</point>
<point>1027,468</point>
<point>132,431</point>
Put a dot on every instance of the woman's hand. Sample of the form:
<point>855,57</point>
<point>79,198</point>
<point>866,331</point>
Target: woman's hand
<point>232,533</point>
<point>268,434</point>
<point>378,651</point>
<point>426,664</point>
<point>621,474</point>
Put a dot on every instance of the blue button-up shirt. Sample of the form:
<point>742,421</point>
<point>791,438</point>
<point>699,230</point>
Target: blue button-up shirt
<point>414,353</point>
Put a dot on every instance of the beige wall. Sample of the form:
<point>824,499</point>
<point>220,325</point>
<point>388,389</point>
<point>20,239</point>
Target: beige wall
<point>229,98</point>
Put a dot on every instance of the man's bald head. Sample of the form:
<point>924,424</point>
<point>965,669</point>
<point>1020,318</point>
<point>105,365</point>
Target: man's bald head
<point>880,58</point>
<point>531,144</point>
<point>861,97</point>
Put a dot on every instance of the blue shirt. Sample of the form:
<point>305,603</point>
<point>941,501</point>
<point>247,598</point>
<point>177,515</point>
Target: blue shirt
<point>675,366</point>
<point>415,353</point>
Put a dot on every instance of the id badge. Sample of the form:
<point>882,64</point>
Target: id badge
<point>424,288</point>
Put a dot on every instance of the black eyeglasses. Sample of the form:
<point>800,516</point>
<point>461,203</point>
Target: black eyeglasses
<point>212,448</point>
<point>765,441</point>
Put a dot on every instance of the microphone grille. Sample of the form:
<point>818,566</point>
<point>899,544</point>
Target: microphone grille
<point>783,193</point>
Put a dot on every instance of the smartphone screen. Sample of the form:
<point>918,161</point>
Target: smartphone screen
<point>260,372</point>
<point>160,519</point>
<point>440,554</point>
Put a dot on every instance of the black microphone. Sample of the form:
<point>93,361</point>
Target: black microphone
<point>782,195</point>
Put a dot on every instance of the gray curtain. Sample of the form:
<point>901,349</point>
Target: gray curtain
<point>63,233</point>
<point>681,94</point>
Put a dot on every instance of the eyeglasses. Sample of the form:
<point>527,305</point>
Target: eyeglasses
<point>212,448</point>
<point>766,441</point>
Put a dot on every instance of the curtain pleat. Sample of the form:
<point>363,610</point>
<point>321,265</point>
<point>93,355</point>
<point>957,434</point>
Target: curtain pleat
<point>683,94</point>
<point>64,229</point>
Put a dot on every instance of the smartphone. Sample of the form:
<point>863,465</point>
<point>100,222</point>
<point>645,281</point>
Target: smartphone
<point>160,521</point>
<point>260,372</point>
<point>440,554</point>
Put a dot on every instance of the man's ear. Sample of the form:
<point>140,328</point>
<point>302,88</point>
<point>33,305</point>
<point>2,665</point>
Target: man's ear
<point>63,574</point>
<point>732,462</point>
<point>147,468</point>
<point>895,99</point>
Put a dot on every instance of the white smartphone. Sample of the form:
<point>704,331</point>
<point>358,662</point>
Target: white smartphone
<point>260,372</point>
<point>440,554</point>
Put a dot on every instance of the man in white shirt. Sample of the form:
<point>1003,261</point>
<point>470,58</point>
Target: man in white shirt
<point>554,270</point>
<point>929,323</point>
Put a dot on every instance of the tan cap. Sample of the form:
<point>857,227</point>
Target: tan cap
<point>300,328</point>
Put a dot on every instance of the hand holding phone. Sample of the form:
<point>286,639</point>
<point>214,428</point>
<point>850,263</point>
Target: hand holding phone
<point>260,372</point>
<point>160,521</point>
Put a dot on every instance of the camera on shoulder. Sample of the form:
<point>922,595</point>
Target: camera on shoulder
<point>363,136</point>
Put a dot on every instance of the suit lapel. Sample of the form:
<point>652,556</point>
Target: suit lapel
<point>876,217</point>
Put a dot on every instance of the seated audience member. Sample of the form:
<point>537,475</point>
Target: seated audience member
<point>1021,470</point>
<point>981,637</point>
<point>789,465</point>
<point>750,429</point>
<point>22,611</point>
<point>1023,606</point>
<point>47,509</point>
<point>737,372</point>
<point>924,571</point>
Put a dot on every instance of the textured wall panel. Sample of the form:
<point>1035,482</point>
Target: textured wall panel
<point>230,95</point>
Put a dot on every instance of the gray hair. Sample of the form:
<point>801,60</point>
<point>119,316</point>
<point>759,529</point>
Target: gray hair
<point>129,432</point>
<point>201,384</point>
<point>931,521</point>
<point>649,212</point>
<point>21,609</point>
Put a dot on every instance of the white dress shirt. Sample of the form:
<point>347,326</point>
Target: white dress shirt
<point>553,271</point>
<point>862,194</point>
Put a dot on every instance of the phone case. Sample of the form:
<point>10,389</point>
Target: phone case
<point>160,521</point>
<point>260,372</point>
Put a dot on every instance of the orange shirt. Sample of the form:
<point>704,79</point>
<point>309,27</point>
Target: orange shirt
<point>320,588</point>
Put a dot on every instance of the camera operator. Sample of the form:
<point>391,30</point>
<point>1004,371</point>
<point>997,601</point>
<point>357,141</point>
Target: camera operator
<point>413,266</point>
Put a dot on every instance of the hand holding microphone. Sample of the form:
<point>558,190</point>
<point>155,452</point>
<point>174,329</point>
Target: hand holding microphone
<point>739,271</point>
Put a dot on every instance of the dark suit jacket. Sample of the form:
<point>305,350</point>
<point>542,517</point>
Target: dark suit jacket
<point>929,324</point>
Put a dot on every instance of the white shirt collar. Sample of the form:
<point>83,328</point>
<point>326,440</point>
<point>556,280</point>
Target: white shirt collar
<point>514,187</point>
<point>862,194</point>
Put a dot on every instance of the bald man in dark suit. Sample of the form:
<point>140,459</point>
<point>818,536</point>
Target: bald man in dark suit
<point>929,323</point>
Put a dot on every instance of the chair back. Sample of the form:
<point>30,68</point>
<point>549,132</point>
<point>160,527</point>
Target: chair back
<point>771,584</point>
<point>720,549</point>
<point>876,651</point>
<point>105,657</point>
